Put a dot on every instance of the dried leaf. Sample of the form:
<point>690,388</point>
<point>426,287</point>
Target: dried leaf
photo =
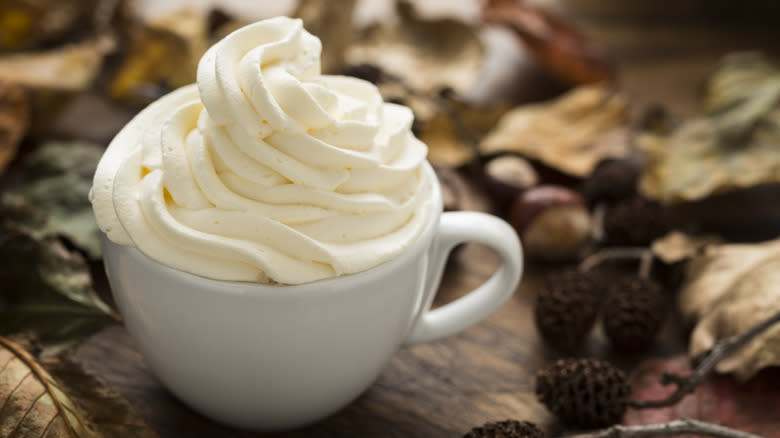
<point>70,404</point>
<point>728,289</point>
<point>53,77</point>
<point>426,54</point>
<point>53,201</point>
<point>732,145</point>
<point>48,290</point>
<point>26,24</point>
<point>572,133</point>
<point>677,246</point>
<point>749,406</point>
<point>556,44</point>
<point>14,120</point>
<point>35,405</point>
<point>163,54</point>
<point>453,131</point>
<point>221,23</point>
<point>446,146</point>
<point>332,24</point>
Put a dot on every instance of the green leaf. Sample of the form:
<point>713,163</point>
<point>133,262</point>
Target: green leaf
<point>48,291</point>
<point>54,198</point>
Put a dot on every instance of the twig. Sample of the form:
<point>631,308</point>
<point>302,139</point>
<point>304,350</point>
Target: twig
<point>686,384</point>
<point>646,264</point>
<point>614,253</point>
<point>683,426</point>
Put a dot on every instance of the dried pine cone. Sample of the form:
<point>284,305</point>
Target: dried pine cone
<point>506,429</point>
<point>611,181</point>
<point>635,222</point>
<point>633,313</point>
<point>567,308</point>
<point>584,393</point>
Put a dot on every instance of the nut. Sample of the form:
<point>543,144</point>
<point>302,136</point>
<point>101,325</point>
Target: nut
<point>553,222</point>
<point>506,177</point>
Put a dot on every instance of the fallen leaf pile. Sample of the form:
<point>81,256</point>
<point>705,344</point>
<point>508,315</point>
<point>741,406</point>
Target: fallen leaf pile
<point>732,145</point>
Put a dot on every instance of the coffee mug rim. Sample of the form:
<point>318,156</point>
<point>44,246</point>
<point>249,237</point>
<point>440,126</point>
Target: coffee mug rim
<point>341,282</point>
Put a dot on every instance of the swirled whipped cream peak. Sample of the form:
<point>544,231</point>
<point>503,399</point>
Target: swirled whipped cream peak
<point>266,170</point>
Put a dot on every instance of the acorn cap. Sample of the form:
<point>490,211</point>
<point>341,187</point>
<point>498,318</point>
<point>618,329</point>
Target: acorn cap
<point>566,308</point>
<point>633,313</point>
<point>583,393</point>
<point>506,429</point>
<point>636,221</point>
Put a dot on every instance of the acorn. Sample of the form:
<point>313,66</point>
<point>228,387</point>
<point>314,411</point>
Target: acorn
<point>506,429</point>
<point>584,393</point>
<point>506,177</point>
<point>636,221</point>
<point>566,308</point>
<point>633,313</point>
<point>611,181</point>
<point>552,222</point>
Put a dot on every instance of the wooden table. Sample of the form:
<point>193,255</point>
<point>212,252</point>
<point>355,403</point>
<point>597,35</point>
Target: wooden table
<point>485,373</point>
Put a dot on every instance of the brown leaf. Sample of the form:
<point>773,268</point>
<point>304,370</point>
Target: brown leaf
<point>732,145</point>
<point>53,77</point>
<point>426,54</point>
<point>27,24</point>
<point>455,128</point>
<point>555,43</point>
<point>14,120</point>
<point>572,133</point>
<point>73,405</point>
<point>332,25</point>
<point>162,55</point>
<point>677,246</point>
<point>749,406</point>
<point>728,289</point>
<point>34,403</point>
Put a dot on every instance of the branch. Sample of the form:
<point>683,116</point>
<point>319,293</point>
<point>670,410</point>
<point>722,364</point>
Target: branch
<point>683,426</point>
<point>686,384</point>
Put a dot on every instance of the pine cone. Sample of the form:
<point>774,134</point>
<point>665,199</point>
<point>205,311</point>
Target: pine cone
<point>584,393</point>
<point>506,429</point>
<point>635,222</point>
<point>611,181</point>
<point>567,308</point>
<point>633,313</point>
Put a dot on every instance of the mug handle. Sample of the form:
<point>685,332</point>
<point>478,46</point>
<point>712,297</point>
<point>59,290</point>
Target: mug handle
<point>458,315</point>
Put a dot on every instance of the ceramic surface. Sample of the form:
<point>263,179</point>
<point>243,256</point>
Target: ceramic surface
<point>267,357</point>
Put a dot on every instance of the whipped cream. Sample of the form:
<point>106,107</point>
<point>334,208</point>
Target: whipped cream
<point>266,170</point>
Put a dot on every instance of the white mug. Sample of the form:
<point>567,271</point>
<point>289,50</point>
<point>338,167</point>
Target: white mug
<point>269,357</point>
